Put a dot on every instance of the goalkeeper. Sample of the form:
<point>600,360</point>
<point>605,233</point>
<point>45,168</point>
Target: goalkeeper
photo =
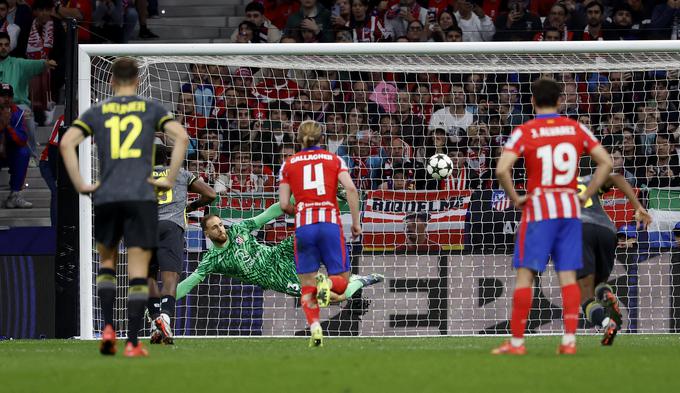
<point>236,253</point>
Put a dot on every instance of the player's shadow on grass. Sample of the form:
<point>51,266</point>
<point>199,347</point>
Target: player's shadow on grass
<point>346,321</point>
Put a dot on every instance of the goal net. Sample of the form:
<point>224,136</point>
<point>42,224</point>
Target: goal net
<point>444,247</point>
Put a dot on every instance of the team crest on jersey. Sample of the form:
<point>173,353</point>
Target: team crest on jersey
<point>239,240</point>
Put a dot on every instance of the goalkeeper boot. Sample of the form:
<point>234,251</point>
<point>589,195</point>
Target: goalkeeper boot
<point>108,344</point>
<point>323,290</point>
<point>610,330</point>
<point>370,279</point>
<point>156,336</point>
<point>316,340</point>
<point>163,324</point>
<point>135,351</point>
<point>605,295</point>
<point>508,349</point>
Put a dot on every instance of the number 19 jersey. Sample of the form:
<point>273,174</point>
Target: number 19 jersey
<point>124,131</point>
<point>312,175</point>
<point>552,146</point>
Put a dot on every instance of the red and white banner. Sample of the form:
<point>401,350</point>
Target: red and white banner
<point>414,220</point>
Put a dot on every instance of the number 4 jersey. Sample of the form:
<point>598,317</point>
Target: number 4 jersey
<point>123,129</point>
<point>551,146</point>
<point>312,175</point>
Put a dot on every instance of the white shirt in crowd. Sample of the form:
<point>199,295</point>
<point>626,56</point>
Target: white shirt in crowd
<point>475,29</point>
<point>452,124</point>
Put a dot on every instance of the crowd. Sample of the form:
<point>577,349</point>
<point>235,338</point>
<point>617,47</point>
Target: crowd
<point>308,21</point>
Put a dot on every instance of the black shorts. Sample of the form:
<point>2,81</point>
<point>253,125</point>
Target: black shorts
<point>135,221</point>
<point>169,256</point>
<point>599,252</point>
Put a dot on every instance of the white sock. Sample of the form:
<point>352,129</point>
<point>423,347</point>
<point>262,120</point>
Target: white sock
<point>568,339</point>
<point>516,342</point>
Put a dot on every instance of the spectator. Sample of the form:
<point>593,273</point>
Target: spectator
<point>21,15</point>
<point>641,11</point>
<point>398,181</point>
<point>622,27</point>
<point>478,152</point>
<point>276,86</point>
<point>668,109</point>
<point>214,162</point>
<point>570,100</point>
<point>412,124</point>
<point>663,168</point>
<point>344,36</point>
<point>286,151</point>
<point>288,39</point>
<point>461,177</point>
<point>617,159</point>
<point>395,156</point>
<point>46,41</point>
<point>664,23</point>
<point>80,10</point>
<point>108,21</point>
<point>264,173</point>
<point>14,154</point>
<point>357,163</point>
<point>240,177</point>
<point>202,89</point>
<point>312,17</point>
<point>341,13</point>
<point>455,119</point>
<point>647,126</point>
<point>264,29</point>
<point>246,33</point>
<point>48,167</point>
<point>445,20</point>
<point>6,27</point>
<point>556,21</point>
<point>550,34</point>
<point>621,86</point>
<point>634,156</point>
<point>595,26</point>
<point>240,128</point>
<point>518,24</point>
<point>476,25</point>
<point>422,101</point>
<point>186,115</point>
<point>611,132</point>
<point>415,228</point>
<point>278,11</point>
<point>356,120</point>
<point>17,73</point>
<point>453,34</point>
<point>365,27</point>
<point>143,14</point>
<point>509,105</point>
<point>415,32</point>
<point>336,133</point>
<point>218,76</point>
<point>400,15</point>
<point>437,142</point>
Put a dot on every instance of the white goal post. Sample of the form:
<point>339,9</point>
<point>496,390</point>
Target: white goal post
<point>397,305</point>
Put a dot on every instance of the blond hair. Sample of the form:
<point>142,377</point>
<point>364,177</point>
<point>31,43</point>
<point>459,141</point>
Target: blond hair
<point>309,133</point>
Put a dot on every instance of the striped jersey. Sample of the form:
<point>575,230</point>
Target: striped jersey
<point>551,146</point>
<point>312,175</point>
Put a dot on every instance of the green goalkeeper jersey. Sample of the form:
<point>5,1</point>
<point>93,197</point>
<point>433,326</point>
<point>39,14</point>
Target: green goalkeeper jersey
<point>242,257</point>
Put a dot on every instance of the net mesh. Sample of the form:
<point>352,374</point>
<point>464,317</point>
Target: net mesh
<point>445,247</point>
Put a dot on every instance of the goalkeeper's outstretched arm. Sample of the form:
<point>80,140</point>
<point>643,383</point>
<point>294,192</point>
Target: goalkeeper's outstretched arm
<point>194,279</point>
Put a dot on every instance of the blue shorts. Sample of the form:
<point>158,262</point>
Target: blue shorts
<point>321,242</point>
<point>538,241</point>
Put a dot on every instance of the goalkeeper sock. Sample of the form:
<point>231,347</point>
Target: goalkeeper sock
<point>521,304</point>
<point>106,290</point>
<point>309,304</point>
<point>594,312</point>
<point>154,307</point>
<point>352,287</point>
<point>168,305</point>
<point>137,297</point>
<point>571,296</point>
<point>339,284</point>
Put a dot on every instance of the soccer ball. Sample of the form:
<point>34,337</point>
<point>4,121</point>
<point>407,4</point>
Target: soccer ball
<point>439,166</point>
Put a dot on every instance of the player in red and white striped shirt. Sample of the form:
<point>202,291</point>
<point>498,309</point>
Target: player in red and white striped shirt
<point>311,177</point>
<point>551,146</point>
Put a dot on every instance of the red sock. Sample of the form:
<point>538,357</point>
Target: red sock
<point>571,296</point>
<point>339,284</point>
<point>521,304</point>
<point>309,304</point>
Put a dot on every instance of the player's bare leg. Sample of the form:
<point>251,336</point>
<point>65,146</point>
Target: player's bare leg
<point>571,296</point>
<point>521,305</point>
<point>168,293</point>
<point>106,291</point>
<point>138,266</point>
<point>154,311</point>
<point>310,306</point>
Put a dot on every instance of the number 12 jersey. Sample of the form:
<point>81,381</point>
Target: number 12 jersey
<point>124,131</point>
<point>552,146</point>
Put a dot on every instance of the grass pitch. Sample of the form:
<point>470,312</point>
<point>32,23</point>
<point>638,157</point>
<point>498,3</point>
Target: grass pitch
<point>635,363</point>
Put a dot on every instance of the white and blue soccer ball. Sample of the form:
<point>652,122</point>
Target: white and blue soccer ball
<point>439,166</point>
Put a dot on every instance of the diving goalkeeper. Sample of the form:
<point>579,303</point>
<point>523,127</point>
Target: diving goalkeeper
<point>236,253</point>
